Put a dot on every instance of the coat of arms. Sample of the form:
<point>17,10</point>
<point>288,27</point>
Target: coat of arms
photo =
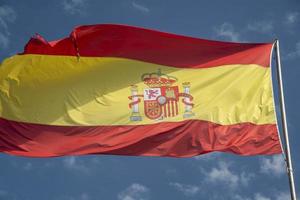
<point>161,97</point>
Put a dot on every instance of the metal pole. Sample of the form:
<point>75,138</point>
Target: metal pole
<point>288,159</point>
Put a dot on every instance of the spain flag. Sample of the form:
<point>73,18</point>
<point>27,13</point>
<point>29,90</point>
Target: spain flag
<point>122,90</point>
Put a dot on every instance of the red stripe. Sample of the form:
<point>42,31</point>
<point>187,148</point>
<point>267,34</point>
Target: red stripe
<point>174,139</point>
<point>169,109</point>
<point>151,46</point>
<point>165,110</point>
<point>173,109</point>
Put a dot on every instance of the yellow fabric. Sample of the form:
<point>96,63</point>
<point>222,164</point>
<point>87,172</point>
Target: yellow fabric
<point>62,90</point>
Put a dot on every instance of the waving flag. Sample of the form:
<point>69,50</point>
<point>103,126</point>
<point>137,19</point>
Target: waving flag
<point>114,89</point>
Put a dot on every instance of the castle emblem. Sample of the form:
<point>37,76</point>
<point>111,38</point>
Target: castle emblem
<point>161,98</point>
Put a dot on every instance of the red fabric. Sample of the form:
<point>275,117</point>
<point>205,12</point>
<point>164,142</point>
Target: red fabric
<point>151,46</point>
<point>174,139</point>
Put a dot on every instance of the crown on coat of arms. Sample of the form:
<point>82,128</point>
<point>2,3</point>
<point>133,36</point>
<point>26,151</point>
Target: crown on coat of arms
<point>158,79</point>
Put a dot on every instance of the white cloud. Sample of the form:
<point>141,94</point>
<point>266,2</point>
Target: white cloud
<point>259,196</point>
<point>264,26</point>
<point>187,190</point>
<point>84,196</point>
<point>291,18</point>
<point>74,7</point>
<point>208,156</point>
<point>295,53</point>
<point>239,197</point>
<point>283,196</point>
<point>69,161</point>
<point>135,191</point>
<point>140,7</point>
<point>223,174</point>
<point>273,166</point>
<point>72,163</point>
<point>7,15</point>
<point>226,31</point>
<point>245,178</point>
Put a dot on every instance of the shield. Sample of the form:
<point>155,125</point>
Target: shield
<point>151,105</point>
<point>170,109</point>
<point>152,109</point>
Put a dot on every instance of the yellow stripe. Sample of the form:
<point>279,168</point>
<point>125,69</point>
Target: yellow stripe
<point>62,90</point>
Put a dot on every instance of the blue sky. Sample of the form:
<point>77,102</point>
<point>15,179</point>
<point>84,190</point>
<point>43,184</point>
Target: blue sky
<point>214,176</point>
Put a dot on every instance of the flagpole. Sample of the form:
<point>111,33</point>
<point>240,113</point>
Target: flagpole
<point>288,158</point>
